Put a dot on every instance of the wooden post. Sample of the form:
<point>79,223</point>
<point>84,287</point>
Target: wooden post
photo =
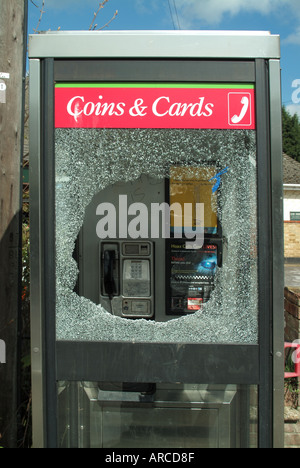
<point>13,26</point>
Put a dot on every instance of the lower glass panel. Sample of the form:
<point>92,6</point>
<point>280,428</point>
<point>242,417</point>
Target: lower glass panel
<point>102,415</point>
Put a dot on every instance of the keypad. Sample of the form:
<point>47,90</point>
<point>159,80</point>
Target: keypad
<point>136,270</point>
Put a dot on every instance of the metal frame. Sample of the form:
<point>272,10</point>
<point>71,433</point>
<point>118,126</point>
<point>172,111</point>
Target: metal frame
<point>277,249</point>
<point>37,334</point>
<point>204,44</point>
<point>263,364</point>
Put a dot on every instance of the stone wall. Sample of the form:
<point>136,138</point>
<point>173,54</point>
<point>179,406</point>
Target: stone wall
<point>292,428</point>
<point>292,314</point>
<point>292,239</point>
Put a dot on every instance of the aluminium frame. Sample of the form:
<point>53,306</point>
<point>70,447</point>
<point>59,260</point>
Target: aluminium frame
<point>243,55</point>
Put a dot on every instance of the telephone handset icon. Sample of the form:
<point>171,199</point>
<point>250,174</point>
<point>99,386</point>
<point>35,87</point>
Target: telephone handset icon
<point>236,119</point>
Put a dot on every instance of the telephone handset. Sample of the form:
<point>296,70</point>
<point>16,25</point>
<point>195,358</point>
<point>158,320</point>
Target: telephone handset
<point>109,263</point>
<point>127,278</point>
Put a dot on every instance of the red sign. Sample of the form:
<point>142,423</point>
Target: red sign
<point>193,107</point>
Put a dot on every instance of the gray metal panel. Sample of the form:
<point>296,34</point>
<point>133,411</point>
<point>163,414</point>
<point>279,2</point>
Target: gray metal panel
<point>35,258</point>
<point>264,225</point>
<point>200,44</point>
<point>223,364</point>
<point>48,244</point>
<point>181,70</point>
<point>278,250</point>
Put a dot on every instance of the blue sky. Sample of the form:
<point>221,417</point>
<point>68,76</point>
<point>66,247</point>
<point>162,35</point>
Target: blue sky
<point>278,16</point>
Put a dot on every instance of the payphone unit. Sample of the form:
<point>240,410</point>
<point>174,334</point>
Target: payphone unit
<point>127,278</point>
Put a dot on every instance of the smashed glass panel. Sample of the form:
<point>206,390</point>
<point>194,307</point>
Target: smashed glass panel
<point>89,161</point>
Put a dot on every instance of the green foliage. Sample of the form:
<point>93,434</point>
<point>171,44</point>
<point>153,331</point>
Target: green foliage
<point>291,134</point>
<point>25,265</point>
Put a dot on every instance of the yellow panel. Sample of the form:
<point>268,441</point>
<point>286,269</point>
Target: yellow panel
<point>193,185</point>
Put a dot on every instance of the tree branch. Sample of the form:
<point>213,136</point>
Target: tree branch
<point>42,11</point>
<point>93,26</point>
<point>108,23</point>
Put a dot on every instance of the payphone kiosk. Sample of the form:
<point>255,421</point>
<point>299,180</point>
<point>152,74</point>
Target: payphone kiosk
<point>156,237</point>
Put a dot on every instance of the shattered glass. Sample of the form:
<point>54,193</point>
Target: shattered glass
<point>89,160</point>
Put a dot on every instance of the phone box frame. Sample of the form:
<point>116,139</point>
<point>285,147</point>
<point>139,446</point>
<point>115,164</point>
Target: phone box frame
<point>156,56</point>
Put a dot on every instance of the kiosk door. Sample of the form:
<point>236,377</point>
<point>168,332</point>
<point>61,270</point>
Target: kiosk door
<point>166,253</point>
